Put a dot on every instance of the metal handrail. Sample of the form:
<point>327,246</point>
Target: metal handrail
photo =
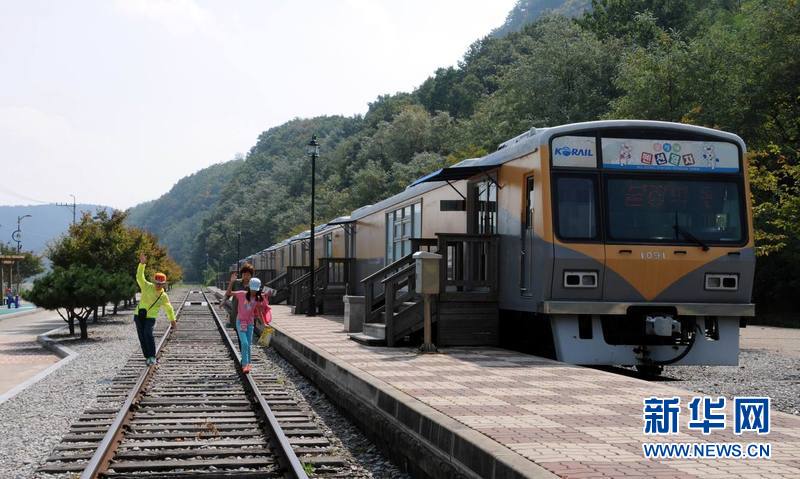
<point>102,455</point>
<point>277,434</point>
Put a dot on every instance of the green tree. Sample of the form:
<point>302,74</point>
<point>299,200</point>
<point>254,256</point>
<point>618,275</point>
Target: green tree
<point>95,264</point>
<point>565,77</point>
<point>616,18</point>
<point>78,290</point>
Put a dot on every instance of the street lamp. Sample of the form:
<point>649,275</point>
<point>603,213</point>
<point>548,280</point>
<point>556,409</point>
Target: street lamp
<point>313,151</point>
<point>17,236</point>
<point>239,248</point>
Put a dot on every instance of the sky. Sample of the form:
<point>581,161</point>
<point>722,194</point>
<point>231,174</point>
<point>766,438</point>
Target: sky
<point>114,101</point>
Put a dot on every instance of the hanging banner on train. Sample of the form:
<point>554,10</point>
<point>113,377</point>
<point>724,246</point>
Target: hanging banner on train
<point>698,156</point>
<point>574,151</point>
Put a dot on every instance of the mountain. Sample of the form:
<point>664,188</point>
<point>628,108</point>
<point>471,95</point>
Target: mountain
<point>528,11</point>
<point>175,218</point>
<point>46,223</point>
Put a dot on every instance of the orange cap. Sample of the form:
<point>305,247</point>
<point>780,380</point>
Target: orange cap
<point>160,278</point>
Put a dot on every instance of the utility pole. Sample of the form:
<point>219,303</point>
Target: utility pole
<point>73,206</point>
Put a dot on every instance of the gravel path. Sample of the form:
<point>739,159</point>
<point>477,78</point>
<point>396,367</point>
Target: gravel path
<point>366,460</point>
<point>32,423</point>
<point>760,373</point>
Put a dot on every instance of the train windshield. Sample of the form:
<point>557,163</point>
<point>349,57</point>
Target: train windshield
<point>674,210</point>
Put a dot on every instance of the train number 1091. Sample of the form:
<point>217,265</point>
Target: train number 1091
<point>653,255</point>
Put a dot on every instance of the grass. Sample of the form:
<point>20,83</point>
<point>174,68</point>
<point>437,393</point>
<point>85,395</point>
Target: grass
<point>308,468</point>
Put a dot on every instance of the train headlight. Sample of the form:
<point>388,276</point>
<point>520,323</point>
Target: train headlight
<point>580,279</point>
<point>722,281</point>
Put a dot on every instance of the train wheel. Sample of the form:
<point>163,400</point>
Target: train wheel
<point>649,370</point>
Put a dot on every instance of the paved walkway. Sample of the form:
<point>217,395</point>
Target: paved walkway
<point>575,422</point>
<point>21,357</point>
<point>5,310</point>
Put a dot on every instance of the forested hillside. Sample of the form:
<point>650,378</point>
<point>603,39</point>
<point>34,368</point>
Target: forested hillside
<point>726,64</point>
<point>176,217</point>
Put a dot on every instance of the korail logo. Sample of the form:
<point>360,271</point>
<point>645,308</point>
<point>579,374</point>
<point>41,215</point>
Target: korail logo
<point>568,151</point>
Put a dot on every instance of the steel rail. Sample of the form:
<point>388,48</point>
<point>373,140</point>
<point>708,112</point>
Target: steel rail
<point>104,452</point>
<point>281,441</point>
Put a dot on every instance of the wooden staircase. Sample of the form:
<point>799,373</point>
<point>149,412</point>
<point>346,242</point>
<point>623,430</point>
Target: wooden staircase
<point>392,307</point>
<point>465,312</point>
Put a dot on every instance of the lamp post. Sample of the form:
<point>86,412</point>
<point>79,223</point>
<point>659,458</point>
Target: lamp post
<point>313,151</point>
<point>17,236</point>
<point>238,249</point>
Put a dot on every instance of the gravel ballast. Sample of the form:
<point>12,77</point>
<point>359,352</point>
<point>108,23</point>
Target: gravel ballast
<point>759,373</point>
<point>366,460</point>
<point>33,422</point>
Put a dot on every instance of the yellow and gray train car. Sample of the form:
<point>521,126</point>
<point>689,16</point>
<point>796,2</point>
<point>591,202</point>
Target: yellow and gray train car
<point>382,233</point>
<point>620,242</point>
<point>633,240</point>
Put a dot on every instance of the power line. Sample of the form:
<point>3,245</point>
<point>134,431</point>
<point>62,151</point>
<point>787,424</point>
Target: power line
<point>26,198</point>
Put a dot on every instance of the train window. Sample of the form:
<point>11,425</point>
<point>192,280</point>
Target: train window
<point>529,203</point>
<point>576,206</point>
<point>329,245</point>
<point>484,210</point>
<point>674,210</point>
<point>402,225</point>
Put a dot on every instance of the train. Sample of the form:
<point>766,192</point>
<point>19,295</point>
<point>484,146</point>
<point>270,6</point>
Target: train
<point>613,242</point>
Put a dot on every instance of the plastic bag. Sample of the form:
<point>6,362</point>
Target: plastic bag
<point>266,336</point>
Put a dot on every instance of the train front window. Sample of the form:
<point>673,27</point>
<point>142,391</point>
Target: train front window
<point>674,210</point>
<point>577,207</point>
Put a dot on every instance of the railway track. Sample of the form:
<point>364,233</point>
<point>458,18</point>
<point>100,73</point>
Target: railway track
<point>195,415</point>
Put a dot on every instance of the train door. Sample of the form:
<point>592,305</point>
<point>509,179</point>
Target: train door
<point>526,240</point>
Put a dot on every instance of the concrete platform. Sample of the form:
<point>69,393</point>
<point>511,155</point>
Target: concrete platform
<point>494,413</point>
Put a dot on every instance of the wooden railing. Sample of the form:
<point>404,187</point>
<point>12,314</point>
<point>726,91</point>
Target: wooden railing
<point>278,282</point>
<point>375,286</point>
<point>339,273</point>
<point>293,273</point>
<point>265,275</point>
<point>333,275</point>
<point>399,288</point>
<point>374,297</point>
<point>301,289</point>
<point>468,271</point>
<point>281,285</point>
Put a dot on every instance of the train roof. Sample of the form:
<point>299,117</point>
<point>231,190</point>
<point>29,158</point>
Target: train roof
<point>530,141</point>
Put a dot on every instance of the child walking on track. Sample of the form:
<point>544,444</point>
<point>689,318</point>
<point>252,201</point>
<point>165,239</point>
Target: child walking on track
<point>153,298</point>
<point>251,304</point>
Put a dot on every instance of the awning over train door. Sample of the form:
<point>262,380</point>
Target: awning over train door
<point>454,173</point>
